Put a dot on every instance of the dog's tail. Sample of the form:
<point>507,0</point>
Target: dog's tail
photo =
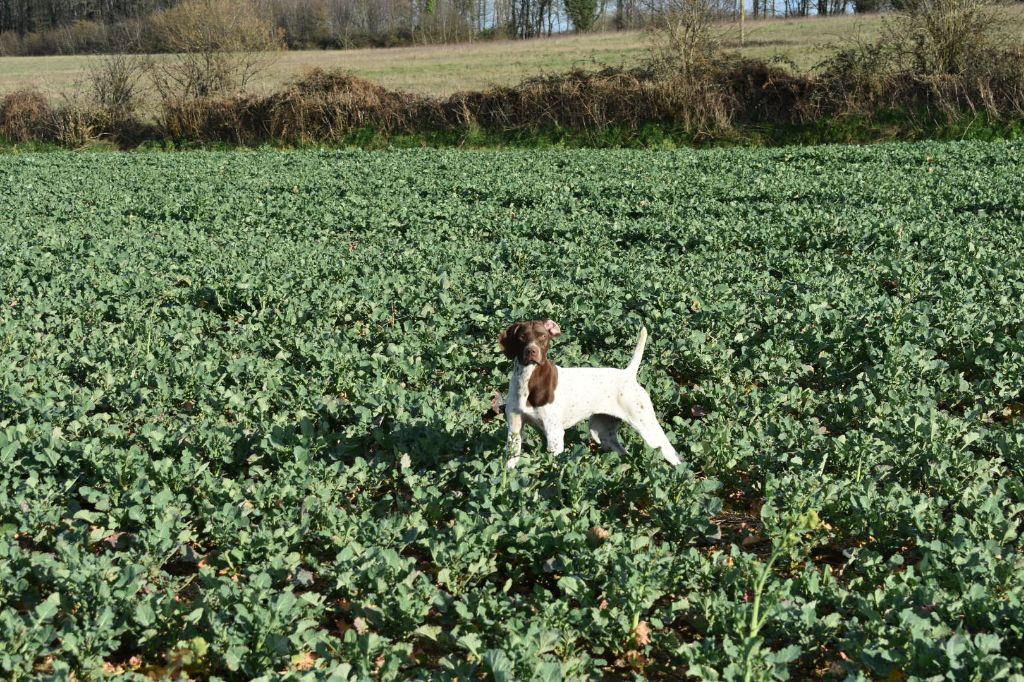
<point>634,365</point>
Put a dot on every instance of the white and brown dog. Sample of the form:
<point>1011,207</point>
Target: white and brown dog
<point>552,398</point>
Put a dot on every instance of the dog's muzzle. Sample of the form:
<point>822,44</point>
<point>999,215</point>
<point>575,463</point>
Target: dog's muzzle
<point>531,355</point>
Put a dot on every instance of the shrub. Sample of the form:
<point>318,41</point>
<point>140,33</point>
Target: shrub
<point>943,37</point>
<point>210,119</point>
<point>684,34</point>
<point>582,13</point>
<point>938,58</point>
<point>330,104</point>
<point>75,125</point>
<point>25,115</point>
<point>589,101</point>
<point>320,106</point>
<point>82,37</point>
<point>216,47</point>
<point>10,44</point>
<point>115,81</point>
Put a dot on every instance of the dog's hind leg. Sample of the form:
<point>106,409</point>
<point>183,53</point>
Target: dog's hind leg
<point>646,424</point>
<point>604,429</point>
<point>650,430</point>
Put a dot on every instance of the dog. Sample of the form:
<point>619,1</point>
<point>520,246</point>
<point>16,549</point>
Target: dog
<point>553,399</point>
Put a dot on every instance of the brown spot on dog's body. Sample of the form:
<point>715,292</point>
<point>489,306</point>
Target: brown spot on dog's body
<point>542,384</point>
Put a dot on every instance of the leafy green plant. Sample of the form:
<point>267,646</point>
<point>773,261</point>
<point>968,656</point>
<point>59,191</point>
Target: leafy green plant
<point>240,399</point>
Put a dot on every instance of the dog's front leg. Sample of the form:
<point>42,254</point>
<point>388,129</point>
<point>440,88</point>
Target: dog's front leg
<point>515,437</point>
<point>555,435</point>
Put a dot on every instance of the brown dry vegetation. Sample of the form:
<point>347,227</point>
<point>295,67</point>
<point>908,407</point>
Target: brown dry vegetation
<point>442,70</point>
<point>922,69</point>
<point>28,116</point>
<point>24,116</point>
<point>328,106</point>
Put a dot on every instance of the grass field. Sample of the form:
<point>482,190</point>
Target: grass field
<point>241,398</point>
<point>441,70</point>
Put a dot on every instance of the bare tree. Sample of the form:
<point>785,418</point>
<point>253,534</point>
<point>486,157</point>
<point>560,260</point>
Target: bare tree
<point>445,21</point>
<point>216,46</point>
<point>116,82</point>
<point>627,14</point>
<point>683,32</point>
<point>530,18</point>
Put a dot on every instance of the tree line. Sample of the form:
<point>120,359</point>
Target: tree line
<point>73,26</point>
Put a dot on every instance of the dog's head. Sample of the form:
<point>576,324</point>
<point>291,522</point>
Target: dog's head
<point>529,341</point>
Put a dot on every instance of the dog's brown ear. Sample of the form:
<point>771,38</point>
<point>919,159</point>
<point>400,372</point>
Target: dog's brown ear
<point>552,328</point>
<point>509,342</point>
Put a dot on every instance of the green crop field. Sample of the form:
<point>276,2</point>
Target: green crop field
<point>241,399</point>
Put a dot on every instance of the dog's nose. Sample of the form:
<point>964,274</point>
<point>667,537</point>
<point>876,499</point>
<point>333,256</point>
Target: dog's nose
<point>531,355</point>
